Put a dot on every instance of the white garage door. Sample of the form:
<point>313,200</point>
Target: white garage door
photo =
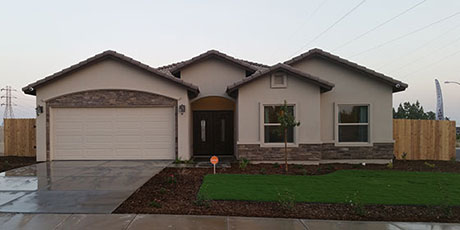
<point>112,133</point>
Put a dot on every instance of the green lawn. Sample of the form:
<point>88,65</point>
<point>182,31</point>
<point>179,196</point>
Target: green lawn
<point>366,186</point>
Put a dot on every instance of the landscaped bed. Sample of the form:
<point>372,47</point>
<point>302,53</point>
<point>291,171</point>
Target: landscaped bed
<point>334,191</point>
<point>7,163</point>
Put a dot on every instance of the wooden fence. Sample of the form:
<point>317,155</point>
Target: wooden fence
<point>19,137</point>
<point>424,139</point>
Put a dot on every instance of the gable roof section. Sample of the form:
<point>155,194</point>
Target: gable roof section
<point>396,84</point>
<point>324,85</point>
<point>109,54</point>
<point>247,65</point>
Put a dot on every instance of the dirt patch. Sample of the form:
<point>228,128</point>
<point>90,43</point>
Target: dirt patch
<point>174,191</point>
<point>7,163</point>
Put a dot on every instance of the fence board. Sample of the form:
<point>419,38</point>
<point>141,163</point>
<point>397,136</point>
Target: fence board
<point>19,135</point>
<point>424,139</point>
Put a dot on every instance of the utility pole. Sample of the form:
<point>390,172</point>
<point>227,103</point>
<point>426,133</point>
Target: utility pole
<point>8,97</point>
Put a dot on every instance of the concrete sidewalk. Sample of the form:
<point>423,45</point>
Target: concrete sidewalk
<point>127,221</point>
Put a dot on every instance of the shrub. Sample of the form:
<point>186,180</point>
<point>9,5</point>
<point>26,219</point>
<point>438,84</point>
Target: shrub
<point>162,191</point>
<point>356,166</point>
<point>430,165</point>
<point>178,161</point>
<point>330,167</point>
<point>276,165</point>
<point>286,199</point>
<point>356,204</point>
<point>172,179</point>
<point>304,172</point>
<point>404,155</point>
<point>155,204</point>
<point>390,165</point>
<point>244,163</point>
<point>298,166</point>
<point>263,171</point>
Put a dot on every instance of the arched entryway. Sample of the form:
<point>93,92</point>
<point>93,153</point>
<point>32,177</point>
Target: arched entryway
<point>213,126</point>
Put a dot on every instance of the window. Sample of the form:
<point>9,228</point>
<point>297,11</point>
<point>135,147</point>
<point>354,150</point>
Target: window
<point>272,131</point>
<point>353,123</point>
<point>278,80</point>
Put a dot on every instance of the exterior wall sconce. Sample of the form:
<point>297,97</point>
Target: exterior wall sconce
<point>182,109</point>
<point>39,110</point>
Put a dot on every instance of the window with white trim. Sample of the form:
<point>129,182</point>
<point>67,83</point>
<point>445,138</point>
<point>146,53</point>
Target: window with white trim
<point>272,131</point>
<point>278,80</point>
<point>353,123</point>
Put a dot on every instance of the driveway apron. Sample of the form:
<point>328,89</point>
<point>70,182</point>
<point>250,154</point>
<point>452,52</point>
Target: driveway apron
<point>73,186</point>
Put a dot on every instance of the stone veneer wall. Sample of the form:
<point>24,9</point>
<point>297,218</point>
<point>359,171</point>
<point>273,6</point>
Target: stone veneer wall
<point>315,152</point>
<point>376,151</point>
<point>107,98</point>
<point>253,152</point>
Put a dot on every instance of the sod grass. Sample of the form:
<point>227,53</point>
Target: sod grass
<point>343,186</point>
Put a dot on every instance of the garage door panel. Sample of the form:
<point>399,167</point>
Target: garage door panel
<point>155,139</point>
<point>67,154</point>
<point>129,125</point>
<point>98,154</point>
<point>68,140</point>
<point>59,125</point>
<point>113,133</point>
<point>97,125</point>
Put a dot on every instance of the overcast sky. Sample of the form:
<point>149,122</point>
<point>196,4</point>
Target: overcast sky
<point>416,41</point>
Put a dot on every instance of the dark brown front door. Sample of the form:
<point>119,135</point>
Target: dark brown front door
<point>213,132</point>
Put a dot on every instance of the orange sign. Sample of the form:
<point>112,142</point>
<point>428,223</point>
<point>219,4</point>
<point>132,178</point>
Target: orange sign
<point>214,160</point>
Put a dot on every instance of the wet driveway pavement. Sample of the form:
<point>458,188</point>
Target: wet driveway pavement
<point>73,186</point>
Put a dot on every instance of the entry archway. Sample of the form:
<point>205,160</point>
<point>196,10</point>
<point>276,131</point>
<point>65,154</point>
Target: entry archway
<point>213,126</point>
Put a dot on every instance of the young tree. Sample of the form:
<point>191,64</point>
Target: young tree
<point>287,120</point>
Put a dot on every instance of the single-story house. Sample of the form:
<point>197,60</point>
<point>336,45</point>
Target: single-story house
<point>111,106</point>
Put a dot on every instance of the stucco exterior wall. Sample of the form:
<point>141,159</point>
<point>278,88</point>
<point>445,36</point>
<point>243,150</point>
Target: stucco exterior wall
<point>111,74</point>
<point>304,95</point>
<point>212,76</point>
<point>352,87</point>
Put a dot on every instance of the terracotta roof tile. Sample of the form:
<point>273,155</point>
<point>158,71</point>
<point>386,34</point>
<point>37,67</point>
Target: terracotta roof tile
<point>324,85</point>
<point>397,85</point>
<point>30,89</point>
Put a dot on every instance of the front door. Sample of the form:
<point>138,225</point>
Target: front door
<point>213,132</point>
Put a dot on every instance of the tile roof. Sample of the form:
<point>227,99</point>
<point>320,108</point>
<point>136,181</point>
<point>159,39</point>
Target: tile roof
<point>324,85</point>
<point>30,89</point>
<point>248,65</point>
<point>397,85</point>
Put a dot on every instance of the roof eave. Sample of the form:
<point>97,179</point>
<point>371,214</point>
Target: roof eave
<point>324,85</point>
<point>323,54</point>
<point>31,88</point>
<point>209,54</point>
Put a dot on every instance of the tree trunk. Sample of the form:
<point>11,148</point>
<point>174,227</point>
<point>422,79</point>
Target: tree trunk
<point>285,149</point>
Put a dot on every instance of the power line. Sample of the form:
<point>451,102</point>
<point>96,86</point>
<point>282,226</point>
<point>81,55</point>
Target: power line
<point>406,34</point>
<point>418,48</point>
<point>305,22</point>
<point>378,26</point>
<point>424,56</point>
<point>433,63</point>
<point>330,27</point>
<point>308,18</point>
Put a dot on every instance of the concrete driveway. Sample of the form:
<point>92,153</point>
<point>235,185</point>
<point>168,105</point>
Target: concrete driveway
<point>73,186</point>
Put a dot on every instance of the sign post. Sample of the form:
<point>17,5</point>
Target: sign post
<point>214,160</point>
